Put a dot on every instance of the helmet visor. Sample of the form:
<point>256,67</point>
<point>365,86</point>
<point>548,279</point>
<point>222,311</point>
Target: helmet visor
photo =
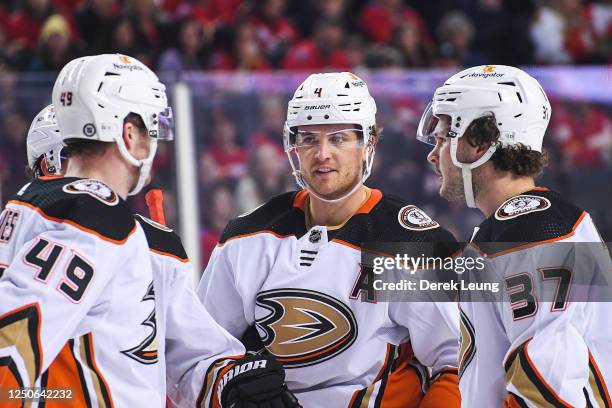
<point>427,126</point>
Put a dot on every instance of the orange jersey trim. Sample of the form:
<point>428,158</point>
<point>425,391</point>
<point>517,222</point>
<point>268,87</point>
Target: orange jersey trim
<point>537,373</point>
<point>155,251</point>
<point>532,244</point>
<point>256,233</point>
<point>299,201</point>
<point>89,344</point>
<point>74,224</point>
<point>600,378</point>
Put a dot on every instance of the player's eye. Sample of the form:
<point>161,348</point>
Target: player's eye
<point>307,139</point>
<point>336,139</point>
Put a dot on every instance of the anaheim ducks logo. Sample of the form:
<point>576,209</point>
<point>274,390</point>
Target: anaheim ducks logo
<point>305,327</point>
<point>413,218</point>
<point>521,205</point>
<point>467,343</point>
<point>146,351</point>
<point>94,188</point>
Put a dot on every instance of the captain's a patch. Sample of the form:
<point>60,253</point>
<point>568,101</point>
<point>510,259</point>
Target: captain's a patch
<point>521,205</point>
<point>413,218</point>
<point>94,188</point>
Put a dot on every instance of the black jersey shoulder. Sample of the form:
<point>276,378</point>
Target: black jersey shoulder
<point>395,220</point>
<point>535,216</point>
<point>277,216</point>
<point>88,204</point>
<point>162,239</point>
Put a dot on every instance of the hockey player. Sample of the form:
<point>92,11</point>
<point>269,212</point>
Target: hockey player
<point>537,346</point>
<point>291,268</point>
<point>94,303</point>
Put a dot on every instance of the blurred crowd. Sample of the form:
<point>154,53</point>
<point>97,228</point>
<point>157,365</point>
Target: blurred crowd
<point>240,159</point>
<point>259,35</point>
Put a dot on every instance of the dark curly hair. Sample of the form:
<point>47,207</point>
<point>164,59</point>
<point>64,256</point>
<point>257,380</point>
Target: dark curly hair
<point>519,159</point>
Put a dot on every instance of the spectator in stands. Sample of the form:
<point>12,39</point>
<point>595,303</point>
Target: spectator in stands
<point>14,132</point>
<point>274,32</point>
<point>144,16</point>
<point>548,35</point>
<point>245,52</point>
<point>272,115</point>
<point>266,178</point>
<point>455,34</point>
<point>191,51</point>
<point>323,51</point>
<point>125,41</point>
<point>415,53</point>
<point>224,149</point>
<point>582,39</point>
<point>208,170</point>
<point>27,20</point>
<point>96,24</point>
<point>381,18</point>
<point>54,49</point>
<point>355,52</point>
<point>218,210</point>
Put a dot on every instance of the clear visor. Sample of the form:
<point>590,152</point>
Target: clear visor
<point>162,125</point>
<point>348,138</point>
<point>426,132</point>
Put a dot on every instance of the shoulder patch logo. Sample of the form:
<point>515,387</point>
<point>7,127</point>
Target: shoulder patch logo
<point>153,223</point>
<point>304,327</point>
<point>94,188</point>
<point>413,218</point>
<point>520,205</point>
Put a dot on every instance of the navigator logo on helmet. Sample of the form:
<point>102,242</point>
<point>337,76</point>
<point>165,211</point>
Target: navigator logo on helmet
<point>517,100</point>
<point>103,90</point>
<point>331,98</point>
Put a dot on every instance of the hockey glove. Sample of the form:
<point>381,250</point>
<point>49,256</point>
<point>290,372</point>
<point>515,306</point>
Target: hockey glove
<point>256,382</point>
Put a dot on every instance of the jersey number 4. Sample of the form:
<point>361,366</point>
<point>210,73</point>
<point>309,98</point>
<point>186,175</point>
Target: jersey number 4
<point>44,255</point>
<point>522,297</point>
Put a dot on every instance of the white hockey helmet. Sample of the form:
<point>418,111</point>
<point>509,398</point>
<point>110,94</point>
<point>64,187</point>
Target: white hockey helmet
<point>44,140</point>
<point>517,100</point>
<point>331,98</point>
<point>93,95</point>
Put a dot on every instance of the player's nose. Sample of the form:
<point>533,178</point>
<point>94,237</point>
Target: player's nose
<point>323,151</point>
<point>434,156</point>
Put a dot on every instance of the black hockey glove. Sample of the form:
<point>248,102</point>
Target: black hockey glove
<point>256,382</point>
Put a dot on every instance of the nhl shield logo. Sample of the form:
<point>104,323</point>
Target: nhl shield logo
<point>315,236</point>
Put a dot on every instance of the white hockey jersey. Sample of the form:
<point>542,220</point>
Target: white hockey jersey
<point>300,289</point>
<point>100,304</point>
<point>547,342</point>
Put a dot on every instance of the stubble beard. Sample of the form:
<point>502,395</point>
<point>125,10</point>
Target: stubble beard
<point>345,185</point>
<point>452,188</point>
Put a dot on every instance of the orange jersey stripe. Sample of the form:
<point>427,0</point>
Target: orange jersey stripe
<point>532,244</point>
<point>74,224</point>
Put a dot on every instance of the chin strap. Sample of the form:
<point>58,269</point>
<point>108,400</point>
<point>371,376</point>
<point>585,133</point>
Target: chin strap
<point>144,165</point>
<point>466,170</point>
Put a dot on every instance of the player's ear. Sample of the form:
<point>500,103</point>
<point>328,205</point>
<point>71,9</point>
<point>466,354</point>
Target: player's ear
<point>130,135</point>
